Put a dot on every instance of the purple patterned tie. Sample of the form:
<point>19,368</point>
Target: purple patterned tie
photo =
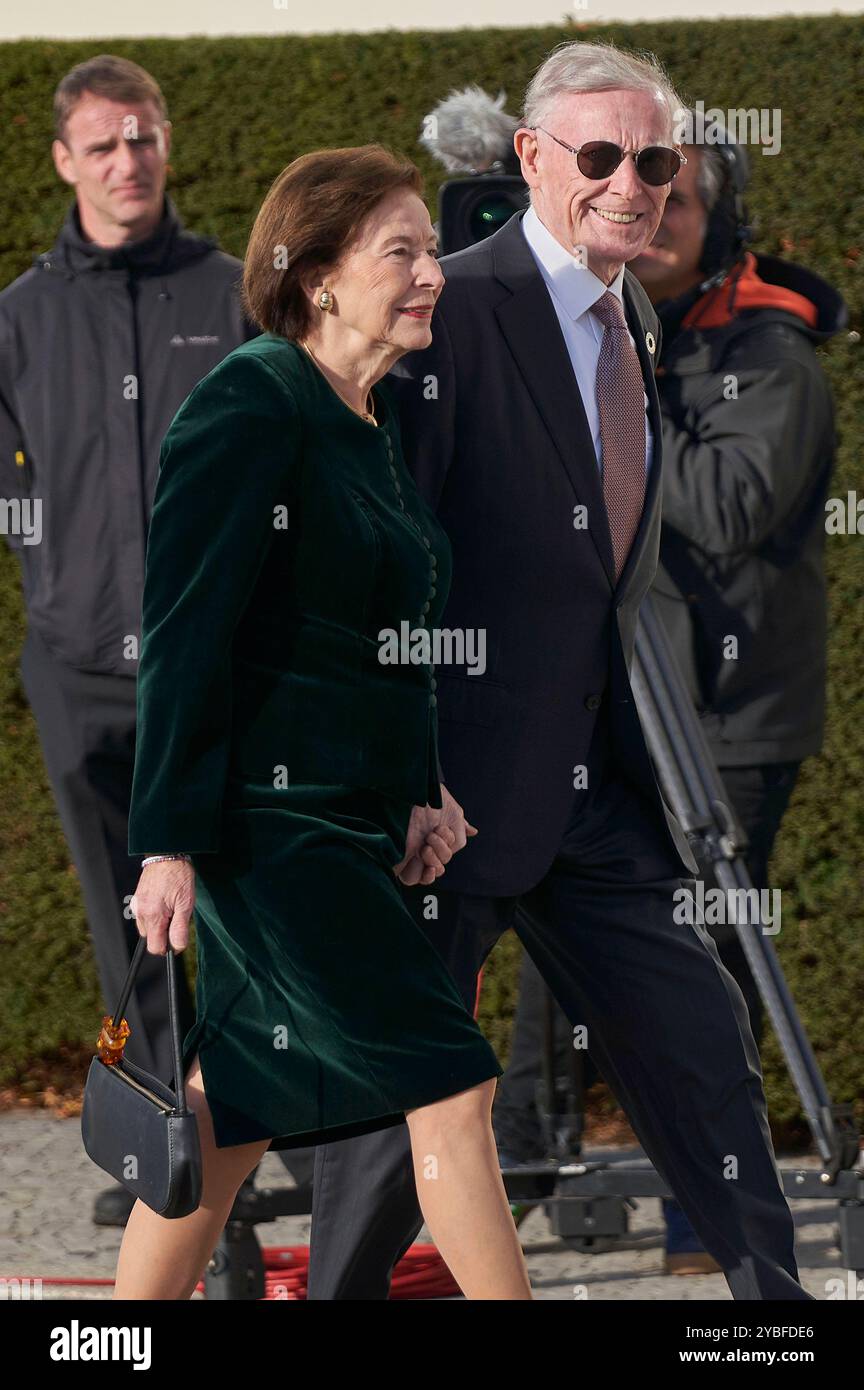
<point>621,407</point>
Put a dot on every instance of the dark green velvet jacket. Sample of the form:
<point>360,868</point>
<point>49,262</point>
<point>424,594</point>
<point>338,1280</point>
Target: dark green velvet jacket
<point>286,534</point>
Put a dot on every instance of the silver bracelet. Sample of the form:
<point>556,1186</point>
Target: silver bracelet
<point>159,858</point>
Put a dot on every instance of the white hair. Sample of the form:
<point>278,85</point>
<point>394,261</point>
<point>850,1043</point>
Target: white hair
<point>597,67</point>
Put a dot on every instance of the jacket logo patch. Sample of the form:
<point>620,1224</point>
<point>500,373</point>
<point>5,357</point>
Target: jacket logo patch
<point>194,340</point>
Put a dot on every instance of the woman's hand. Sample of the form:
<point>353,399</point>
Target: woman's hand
<point>162,905</point>
<point>434,836</point>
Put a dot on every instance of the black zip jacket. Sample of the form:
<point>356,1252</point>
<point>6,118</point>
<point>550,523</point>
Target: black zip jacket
<point>98,350</point>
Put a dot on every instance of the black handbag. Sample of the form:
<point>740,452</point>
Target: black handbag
<point>136,1127</point>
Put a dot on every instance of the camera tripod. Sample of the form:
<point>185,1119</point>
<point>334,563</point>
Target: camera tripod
<point>584,1199</point>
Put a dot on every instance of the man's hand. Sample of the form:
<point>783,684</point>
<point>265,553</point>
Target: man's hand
<point>434,836</point>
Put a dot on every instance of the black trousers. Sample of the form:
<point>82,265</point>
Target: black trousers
<point>86,724</point>
<point>760,796</point>
<point>667,1025</point>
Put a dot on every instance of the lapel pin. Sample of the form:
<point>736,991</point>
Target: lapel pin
<point>649,342</point>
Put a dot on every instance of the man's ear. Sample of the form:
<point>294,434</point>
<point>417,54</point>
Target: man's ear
<point>63,162</point>
<point>526,145</point>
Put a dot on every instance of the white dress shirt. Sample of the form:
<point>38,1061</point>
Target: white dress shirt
<point>573,289</point>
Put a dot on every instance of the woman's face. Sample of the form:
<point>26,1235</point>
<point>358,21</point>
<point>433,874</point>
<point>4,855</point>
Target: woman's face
<point>386,284</point>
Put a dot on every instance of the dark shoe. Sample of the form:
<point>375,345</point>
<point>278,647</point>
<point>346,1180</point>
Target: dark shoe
<point>113,1206</point>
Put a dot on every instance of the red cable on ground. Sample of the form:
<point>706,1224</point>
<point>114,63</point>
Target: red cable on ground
<point>421,1273</point>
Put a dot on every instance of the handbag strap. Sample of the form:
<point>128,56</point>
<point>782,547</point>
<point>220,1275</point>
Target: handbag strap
<point>171,962</point>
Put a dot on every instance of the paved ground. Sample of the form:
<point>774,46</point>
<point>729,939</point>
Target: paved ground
<point>47,1187</point>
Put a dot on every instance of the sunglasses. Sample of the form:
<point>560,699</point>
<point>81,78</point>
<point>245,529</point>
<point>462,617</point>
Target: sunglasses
<point>598,159</point>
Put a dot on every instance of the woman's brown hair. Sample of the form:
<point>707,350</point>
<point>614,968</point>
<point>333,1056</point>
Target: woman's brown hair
<point>310,216</point>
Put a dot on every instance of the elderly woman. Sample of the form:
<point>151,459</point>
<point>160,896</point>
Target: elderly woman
<point>284,773</point>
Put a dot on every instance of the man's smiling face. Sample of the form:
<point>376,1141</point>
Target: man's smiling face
<point>613,219</point>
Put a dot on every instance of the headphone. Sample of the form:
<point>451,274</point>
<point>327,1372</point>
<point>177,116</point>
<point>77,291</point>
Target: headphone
<point>729,229</point>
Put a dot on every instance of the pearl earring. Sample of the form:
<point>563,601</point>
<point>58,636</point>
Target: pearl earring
<point>325,300</point>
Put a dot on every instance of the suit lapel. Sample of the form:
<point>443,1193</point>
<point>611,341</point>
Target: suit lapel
<point>530,325</point>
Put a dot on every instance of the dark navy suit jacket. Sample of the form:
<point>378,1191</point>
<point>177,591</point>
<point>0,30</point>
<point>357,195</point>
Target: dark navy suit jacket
<point>495,434</point>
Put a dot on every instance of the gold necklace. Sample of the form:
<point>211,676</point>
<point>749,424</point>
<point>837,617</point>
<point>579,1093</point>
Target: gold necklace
<point>368,415</point>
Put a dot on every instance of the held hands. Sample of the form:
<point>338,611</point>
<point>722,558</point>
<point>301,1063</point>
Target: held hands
<point>162,905</point>
<point>164,899</point>
<point>434,836</point>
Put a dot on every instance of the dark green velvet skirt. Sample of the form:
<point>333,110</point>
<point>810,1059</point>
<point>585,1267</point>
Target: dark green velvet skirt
<point>323,1011</point>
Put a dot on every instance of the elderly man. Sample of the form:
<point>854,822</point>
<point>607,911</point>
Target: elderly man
<point>532,424</point>
<point>745,474</point>
<point>101,340</point>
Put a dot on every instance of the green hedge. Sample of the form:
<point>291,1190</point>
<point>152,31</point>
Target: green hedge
<point>242,109</point>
